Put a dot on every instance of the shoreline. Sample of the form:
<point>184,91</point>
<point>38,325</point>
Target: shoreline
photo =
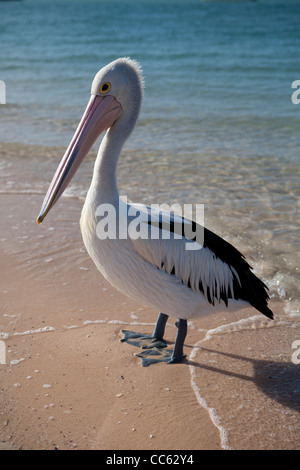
<point>69,383</point>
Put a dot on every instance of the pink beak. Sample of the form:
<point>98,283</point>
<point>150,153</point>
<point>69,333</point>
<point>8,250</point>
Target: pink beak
<point>100,114</point>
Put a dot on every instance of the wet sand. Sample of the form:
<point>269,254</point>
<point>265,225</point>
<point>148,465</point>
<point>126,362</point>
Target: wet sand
<point>69,383</point>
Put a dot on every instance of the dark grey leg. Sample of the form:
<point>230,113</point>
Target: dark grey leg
<point>160,326</point>
<point>178,355</point>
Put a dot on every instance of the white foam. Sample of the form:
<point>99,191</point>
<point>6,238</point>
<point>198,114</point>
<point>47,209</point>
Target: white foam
<point>22,191</point>
<point>48,329</point>
<point>244,323</point>
<point>117,322</point>
<point>92,322</point>
<point>45,329</point>
<point>215,419</point>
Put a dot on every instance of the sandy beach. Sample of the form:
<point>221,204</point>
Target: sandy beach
<point>69,383</point>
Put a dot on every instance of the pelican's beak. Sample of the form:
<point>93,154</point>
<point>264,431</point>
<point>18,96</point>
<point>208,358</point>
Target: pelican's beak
<point>100,114</point>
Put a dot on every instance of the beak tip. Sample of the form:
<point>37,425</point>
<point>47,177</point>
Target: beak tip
<point>40,219</point>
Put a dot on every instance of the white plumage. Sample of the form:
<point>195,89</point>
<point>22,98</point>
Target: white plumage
<point>159,271</point>
<point>140,268</point>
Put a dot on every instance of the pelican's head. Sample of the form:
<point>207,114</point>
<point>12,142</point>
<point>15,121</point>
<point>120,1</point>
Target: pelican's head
<point>122,79</point>
<point>116,92</point>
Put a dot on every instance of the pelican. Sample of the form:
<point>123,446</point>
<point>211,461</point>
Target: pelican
<point>158,271</point>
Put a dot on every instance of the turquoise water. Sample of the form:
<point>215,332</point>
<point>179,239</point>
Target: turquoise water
<point>217,73</point>
<point>217,122</point>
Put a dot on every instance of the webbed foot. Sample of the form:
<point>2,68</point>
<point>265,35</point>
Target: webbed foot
<point>155,348</point>
<point>142,340</point>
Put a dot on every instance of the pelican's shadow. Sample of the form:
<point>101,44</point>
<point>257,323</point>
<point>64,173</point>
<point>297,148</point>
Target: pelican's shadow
<point>278,380</point>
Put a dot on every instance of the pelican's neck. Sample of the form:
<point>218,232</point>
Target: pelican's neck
<point>104,184</point>
<point>104,181</point>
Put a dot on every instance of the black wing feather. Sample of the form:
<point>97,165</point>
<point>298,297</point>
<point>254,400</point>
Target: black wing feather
<point>248,287</point>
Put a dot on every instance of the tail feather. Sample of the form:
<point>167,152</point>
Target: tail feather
<point>266,311</point>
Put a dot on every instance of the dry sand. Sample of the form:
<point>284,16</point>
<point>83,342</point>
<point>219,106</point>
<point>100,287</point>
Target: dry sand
<point>69,383</point>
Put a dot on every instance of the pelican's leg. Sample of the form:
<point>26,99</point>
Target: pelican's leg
<point>160,326</point>
<point>178,355</point>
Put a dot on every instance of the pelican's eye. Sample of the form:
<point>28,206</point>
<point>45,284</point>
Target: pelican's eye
<point>105,88</point>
